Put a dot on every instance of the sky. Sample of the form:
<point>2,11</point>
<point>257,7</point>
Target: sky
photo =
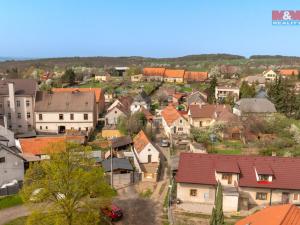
<point>150,28</point>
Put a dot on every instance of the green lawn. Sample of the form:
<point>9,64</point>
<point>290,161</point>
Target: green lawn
<point>10,201</point>
<point>19,221</point>
<point>230,151</point>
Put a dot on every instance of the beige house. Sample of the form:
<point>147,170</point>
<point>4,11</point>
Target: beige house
<point>174,76</point>
<point>270,75</point>
<point>223,92</point>
<point>103,77</point>
<point>136,78</point>
<point>247,181</point>
<point>173,121</point>
<point>147,156</point>
<point>17,97</point>
<point>120,107</point>
<point>62,111</point>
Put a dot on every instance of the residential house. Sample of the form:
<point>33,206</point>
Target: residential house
<point>223,92</point>
<point>270,75</point>
<point>256,80</point>
<point>174,76</point>
<point>254,106</point>
<point>103,77</point>
<point>173,121</point>
<point>195,76</point>
<point>120,70</point>
<point>247,181</point>
<point>140,100</point>
<point>17,97</point>
<point>11,165</point>
<point>206,115</point>
<point>120,107</point>
<point>137,78</point>
<point>288,72</point>
<point>147,156</point>
<point>154,74</point>
<point>99,95</point>
<point>287,214</point>
<point>60,111</point>
<point>41,147</point>
<point>196,98</point>
<point>149,116</point>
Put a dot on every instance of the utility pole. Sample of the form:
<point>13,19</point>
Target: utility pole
<point>111,167</point>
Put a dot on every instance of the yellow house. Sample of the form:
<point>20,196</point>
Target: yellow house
<point>137,78</point>
<point>174,76</point>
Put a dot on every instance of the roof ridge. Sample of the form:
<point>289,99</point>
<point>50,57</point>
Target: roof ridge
<point>286,214</point>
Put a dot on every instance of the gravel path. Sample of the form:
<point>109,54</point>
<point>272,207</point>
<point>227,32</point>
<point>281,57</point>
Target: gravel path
<point>6,215</point>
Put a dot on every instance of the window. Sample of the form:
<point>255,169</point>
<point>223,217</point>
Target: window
<point>180,129</point>
<point>193,192</point>
<point>261,196</point>
<point>149,158</point>
<point>20,126</point>
<point>27,103</point>
<point>115,112</point>
<point>296,197</point>
<point>61,116</point>
<point>2,159</point>
<point>8,104</point>
<point>19,115</point>
<point>200,124</point>
<point>79,128</point>
<point>263,177</point>
<point>86,129</point>
<point>18,103</point>
<point>9,116</point>
<point>228,177</point>
<point>180,121</point>
<point>28,115</point>
<point>85,116</point>
<point>41,128</point>
<point>71,116</point>
<point>46,127</point>
<point>40,116</point>
<point>29,126</point>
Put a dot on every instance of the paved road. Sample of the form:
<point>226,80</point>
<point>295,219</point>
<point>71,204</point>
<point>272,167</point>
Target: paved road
<point>9,214</point>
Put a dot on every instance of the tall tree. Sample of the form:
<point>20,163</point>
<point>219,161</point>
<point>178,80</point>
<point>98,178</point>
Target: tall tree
<point>63,185</point>
<point>247,91</point>
<point>217,217</point>
<point>69,76</point>
<point>211,90</point>
<point>132,124</point>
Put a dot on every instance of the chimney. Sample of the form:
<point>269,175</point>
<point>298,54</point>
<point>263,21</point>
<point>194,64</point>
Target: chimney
<point>12,108</point>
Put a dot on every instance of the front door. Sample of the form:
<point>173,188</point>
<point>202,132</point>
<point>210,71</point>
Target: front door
<point>61,129</point>
<point>149,158</point>
<point>285,197</point>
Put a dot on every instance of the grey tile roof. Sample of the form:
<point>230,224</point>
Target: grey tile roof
<point>196,97</point>
<point>117,164</point>
<point>22,86</point>
<point>255,105</point>
<point>65,102</point>
<point>121,141</point>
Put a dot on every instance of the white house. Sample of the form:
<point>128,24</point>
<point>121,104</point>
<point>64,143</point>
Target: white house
<point>139,101</point>
<point>17,98</point>
<point>147,156</point>
<point>61,111</point>
<point>223,92</point>
<point>173,122</point>
<point>120,107</point>
<point>270,75</point>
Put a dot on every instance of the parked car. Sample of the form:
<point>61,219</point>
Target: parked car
<point>113,212</point>
<point>164,143</point>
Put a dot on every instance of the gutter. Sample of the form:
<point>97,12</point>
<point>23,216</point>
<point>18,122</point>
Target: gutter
<point>270,197</point>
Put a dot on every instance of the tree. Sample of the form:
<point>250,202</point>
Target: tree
<point>63,185</point>
<point>217,217</point>
<point>132,124</point>
<point>211,90</point>
<point>247,91</point>
<point>69,76</point>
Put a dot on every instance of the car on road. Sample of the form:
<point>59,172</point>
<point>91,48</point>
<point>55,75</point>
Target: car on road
<point>164,143</point>
<point>113,212</point>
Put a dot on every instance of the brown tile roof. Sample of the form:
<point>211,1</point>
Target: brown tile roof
<point>154,71</point>
<point>121,141</point>
<point>98,91</point>
<point>274,215</point>
<point>65,102</point>
<point>170,114</point>
<point>22,86</point>
<point>147,113</point>
<point>195,76</point>
<point>200,169</point>
<point>169,73</point>
<point>209,111</point>
<point>289,72</point>
<point>140,141</point>
<point>40,145</point>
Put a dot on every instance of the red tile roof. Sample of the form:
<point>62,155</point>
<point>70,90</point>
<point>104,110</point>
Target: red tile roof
<point>154,71</point>
<point>174,73</point>
<point>140,141</point>
<point>147,113</point>
<point>40,145</point>
<point>195,76</point>
<point>288,72</point>
<point>200,169</point>
<point>170,114</point>
<point>98,91</point>
<point>274,215</point>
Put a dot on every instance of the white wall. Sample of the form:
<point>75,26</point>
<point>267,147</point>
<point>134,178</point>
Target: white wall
<point>111,118</point>
<point>205,193</point>
<point>148,150</point>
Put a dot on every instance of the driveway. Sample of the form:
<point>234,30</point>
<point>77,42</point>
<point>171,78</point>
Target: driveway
<point>6,215</point>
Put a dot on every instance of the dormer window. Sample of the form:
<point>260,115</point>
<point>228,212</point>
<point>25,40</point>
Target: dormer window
<point>228,177</point>
<point>263,177</point>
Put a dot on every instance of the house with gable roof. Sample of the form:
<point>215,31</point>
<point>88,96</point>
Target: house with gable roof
<point>173,121</point>
<point>174,76</point>
<point>148,156</point>
<point>140,100</point>
<point>120,107</point>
